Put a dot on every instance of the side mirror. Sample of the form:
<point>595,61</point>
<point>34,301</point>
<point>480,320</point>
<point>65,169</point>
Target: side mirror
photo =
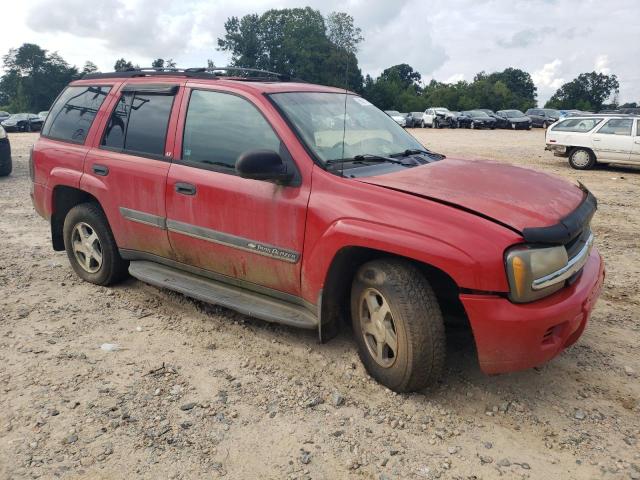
<point>263,165</point>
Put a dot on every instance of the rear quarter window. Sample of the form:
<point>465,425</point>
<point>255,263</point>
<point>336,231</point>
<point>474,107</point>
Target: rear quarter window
<point>72,115</point>
<point>578,125</point>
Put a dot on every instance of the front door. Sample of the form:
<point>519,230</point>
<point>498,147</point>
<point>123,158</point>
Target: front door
<point>249,232</point>
<point>613,140</point>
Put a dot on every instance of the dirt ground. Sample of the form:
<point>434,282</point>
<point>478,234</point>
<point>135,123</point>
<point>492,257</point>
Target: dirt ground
<point>197,391</point>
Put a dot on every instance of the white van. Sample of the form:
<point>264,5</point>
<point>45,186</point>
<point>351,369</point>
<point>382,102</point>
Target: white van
<point>588,139</point>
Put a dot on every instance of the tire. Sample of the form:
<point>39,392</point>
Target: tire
<point>87,221</point>
<point>513,126</point>
<point>582,159</point>
<point>436,124</point>
<point>545,125</point>
<point>413,318</point>
<point>472,125</point>
<point>6,167</point>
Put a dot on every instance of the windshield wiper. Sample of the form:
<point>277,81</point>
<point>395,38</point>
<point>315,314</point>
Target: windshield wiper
<point>366,157</point>
<point>416,151</point>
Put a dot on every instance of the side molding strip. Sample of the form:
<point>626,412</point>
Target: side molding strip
<point>240,243</point>
<point>143,217</point>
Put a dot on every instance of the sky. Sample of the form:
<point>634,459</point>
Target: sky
<point>449,40</point>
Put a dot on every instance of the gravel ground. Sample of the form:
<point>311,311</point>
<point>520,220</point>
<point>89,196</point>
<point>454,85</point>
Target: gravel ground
<point>197,391</point>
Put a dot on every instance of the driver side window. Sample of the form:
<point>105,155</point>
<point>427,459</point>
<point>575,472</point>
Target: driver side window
<point>222,126</point>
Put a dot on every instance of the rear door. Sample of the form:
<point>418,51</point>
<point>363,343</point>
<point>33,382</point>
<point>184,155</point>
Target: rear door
<point>128,165</point>
<point>613,140</point>
<point>250,232</point>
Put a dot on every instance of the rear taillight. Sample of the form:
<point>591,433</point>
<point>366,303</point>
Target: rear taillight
<point>32,173</point>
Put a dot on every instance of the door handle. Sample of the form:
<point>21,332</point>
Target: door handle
<point>101,170</point>
<point>185,188</point>
<point>596,139</point>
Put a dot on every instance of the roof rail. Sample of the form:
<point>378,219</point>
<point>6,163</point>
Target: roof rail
<point>210,73</point>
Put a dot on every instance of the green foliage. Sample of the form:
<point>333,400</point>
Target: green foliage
<point>588,92</point>
<point>33,78</point>
<point>162,63</point>
<point>121,65</point>
<point>398,88</point>
<point>89,67</point>
<point>298,42</point>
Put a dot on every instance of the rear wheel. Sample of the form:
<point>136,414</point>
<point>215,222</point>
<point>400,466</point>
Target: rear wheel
<point>90,246</point>
<point>398,325</point>
<point>582,159</point>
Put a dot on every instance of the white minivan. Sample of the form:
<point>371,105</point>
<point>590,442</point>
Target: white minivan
<point>589,139</point>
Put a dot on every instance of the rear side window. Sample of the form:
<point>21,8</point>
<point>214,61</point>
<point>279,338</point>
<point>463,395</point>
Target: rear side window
<point>577,125</point>
<point>138,124</point>
<point>220,127</point>
<point>72,115</point>
<point>617,126</point>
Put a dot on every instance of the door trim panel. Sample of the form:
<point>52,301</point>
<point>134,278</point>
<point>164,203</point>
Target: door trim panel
<point>233,241</point>
<point>143,217</point>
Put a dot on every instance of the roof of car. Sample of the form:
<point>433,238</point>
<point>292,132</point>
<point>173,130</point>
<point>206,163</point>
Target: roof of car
<point>260,81</point>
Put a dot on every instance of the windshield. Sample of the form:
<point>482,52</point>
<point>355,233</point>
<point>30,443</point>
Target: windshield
<point>477,114</point>
<point>319,118</point>
<point>551,112</point>
<point>18,116</point>
<point>441,110</point>
<point>417,114</point>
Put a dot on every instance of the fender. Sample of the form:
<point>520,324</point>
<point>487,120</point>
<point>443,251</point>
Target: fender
<point>479,271</point>
<point>58,176</point>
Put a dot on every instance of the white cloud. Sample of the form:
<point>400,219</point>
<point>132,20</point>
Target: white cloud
<point>602,64</point>
<point>548,75</point>
<point>455,78</point>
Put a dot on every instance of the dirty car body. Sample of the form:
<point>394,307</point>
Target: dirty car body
<point>283,218</point>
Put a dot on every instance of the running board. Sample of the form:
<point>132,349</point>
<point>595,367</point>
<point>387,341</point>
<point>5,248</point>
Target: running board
<point>241,300</point>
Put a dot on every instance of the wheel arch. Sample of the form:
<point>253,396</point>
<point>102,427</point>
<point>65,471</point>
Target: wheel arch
<point>335,296</point>
<point>64,198</point>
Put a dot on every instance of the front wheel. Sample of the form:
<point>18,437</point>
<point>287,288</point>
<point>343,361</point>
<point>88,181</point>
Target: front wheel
<point>582,159</point>
<point>398,325</point>
<point>90,246</point>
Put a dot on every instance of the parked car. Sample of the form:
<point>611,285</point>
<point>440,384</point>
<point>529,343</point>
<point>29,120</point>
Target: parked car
<point>408,120</point>
<point>479,119</point>
<point>591,139</point>
<point>416,119</point>
<point>398,117</point>
<point>43,114</point>
<point>5,154</point>
<point>436,117</point>
<point>22,122</point>
<point>314,224</point>
<point>4,115</point>
<point>500,121</point>
<point>542,117</point>
<point>459,120</point>
<point>515,119</point>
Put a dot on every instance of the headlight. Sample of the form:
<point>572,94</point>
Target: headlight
<point>3,134</point>
<point>526,264</point>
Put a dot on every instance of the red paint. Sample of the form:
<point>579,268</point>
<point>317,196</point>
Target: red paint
<point>402,213</point>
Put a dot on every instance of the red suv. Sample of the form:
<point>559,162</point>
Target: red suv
<point>306,205</point>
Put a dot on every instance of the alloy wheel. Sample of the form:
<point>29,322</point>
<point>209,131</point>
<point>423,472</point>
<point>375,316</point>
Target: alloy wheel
<point>86,247</point>
<point>378,328</point>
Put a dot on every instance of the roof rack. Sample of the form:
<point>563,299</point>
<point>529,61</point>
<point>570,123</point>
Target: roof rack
<point>210,73</point>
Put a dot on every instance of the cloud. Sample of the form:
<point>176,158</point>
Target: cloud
<point>547,77</point>
<point>455,78</point>
<point>602,64</point>
<point>524,38</point>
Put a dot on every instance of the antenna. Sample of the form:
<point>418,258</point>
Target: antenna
<point>344,117</point>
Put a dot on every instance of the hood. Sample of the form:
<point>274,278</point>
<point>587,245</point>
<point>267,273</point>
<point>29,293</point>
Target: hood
<point>514,196</point>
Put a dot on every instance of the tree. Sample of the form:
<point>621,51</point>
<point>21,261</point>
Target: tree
<point>588,91</point>
<point>33,78</point>
<point>89,67</point>
<point>405,73</point>
<point>121,65</point>
<point>297,42</point>
<point>158,63</point>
